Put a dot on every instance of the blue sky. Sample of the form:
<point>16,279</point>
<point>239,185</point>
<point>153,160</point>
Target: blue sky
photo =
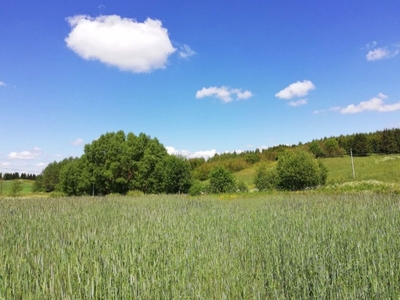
<point>203,77</point>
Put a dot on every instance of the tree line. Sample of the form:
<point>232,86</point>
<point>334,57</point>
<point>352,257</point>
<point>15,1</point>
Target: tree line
<point>16,175</point>
<point>122,163</point>
<point>360,144</point>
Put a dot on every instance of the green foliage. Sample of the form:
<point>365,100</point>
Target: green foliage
<point>241,187</point>
<point>135,193</point>
<point>38,184</point>
<point>118,163</point>
<point>177,176</point>
<point>298,170</point>
<point>221,180</point>
<point>360,145</point>
<point>16,188</point>
<point>315,148</point>
<point>266,179</point>
<point>197,188</point>
<point>75,179</point>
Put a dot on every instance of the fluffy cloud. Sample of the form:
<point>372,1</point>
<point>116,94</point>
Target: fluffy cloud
<point>297,89</point>
<point>121,42</point>
<point>205,154</point>
<point>25,154</point>
<point>298,102</point>
<point>223,93</point>
<point>374,104</point>
<point>185,52</point>
<point>77,142</point>
<point>381,53</point>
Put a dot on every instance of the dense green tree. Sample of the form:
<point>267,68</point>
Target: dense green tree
<point>298,170</point>
<point>75,179</point>
<point>176,175</point>
<point>332,148</point>
<point>119,163</point>
<point>51,175</point>
<point>315,148</point>
<point>266,179</point>
<point>360,145</point>
<point>221,180</point>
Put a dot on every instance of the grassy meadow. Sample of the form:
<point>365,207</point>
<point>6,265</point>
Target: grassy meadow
<point>370,172</point>
<point>259,246</point>
<point>5,186</point>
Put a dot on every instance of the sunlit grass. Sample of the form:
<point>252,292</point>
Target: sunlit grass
<point>278,246</point>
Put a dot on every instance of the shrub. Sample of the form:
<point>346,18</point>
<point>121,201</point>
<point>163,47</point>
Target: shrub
<point>135,193</point>
<point>266,179</point>
<point>298,170</point>
<point>221,180</point>
<point>16,188</point>
<point>242,187</point>
<point>196,189</point>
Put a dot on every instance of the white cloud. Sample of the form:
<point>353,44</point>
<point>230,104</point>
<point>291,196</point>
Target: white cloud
<point>381,52</point>
<point>35,152</point>
<point>374,104</point>
<point>121,42</point>
<point>225,94</point>
<point>297,89</point>
<point>2,83</point>
<point>186,52</point>
<point>298,102</point>
<point>77,142</point>
<point>205,154</point>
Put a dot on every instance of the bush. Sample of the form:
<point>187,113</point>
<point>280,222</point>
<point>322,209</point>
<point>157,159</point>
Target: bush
<point>221,180</point>
<point>16,188</point>
<point>135,193</point>
<point>266,179</point>
<point>242,187</point>
<point>196,189</point>
<point>298,170</point>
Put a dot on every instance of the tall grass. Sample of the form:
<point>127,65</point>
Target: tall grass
<point>284,246</point>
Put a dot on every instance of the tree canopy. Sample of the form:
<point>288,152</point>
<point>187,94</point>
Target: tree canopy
<point>118,163</point>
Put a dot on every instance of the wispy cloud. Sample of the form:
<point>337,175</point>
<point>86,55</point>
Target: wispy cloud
<point>120,42</point>
<point>223,93</point>
<point>297,89</point>
<point>298,102</point>
<point>374,104</point>
<point>77,142</point>
<point>381,53</point>
<point>334,108</point>
<point>2,83</point>
<point>186,52</point>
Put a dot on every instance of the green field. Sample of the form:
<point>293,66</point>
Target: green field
<point>5,186</point>
<point>277,246</point>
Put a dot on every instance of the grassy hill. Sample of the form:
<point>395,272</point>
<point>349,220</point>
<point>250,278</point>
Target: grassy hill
<point>381,168</point>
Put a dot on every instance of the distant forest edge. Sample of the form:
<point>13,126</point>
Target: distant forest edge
<point>125,163</point>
